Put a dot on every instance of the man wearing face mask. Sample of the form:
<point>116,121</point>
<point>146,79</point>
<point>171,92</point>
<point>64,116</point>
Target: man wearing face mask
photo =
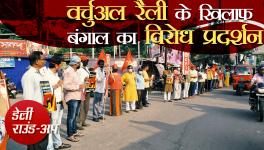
<point>130,92</point>
<point>115,83</point>
<point>73,95</point>
<point>99,92</point>
<point>55,141</point>
<point>177,82</point>
<point>84,74</point>
<point>140,88</point>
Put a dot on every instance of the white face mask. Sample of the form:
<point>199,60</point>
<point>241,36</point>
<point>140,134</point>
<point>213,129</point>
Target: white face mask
<point>140,72</point>
<point>130,70</point>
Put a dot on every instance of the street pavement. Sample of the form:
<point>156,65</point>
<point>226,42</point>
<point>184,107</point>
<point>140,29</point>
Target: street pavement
<point>214,121</point>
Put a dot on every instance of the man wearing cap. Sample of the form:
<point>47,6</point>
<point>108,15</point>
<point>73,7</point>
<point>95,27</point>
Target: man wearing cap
<point>130,92</point>
<point>73,93</point>
<point>115,83</point>
<point>83,73</point>
<point>99,93</point>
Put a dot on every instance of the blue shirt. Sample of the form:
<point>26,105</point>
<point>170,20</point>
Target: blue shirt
<point>140,82</point>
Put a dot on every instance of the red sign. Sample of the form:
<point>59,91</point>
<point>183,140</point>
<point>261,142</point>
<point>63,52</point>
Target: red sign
<point>186,63</point>
<point>13,48</point>
<point>23,123</point>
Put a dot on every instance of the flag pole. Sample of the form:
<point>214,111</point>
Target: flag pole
<point>106,86</point>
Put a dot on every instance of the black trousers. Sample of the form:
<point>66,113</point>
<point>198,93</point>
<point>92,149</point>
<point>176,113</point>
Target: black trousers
<point>139,104</point>
<point>205,85</point>
<point>42,145</point>
<point>209,85</point>
<point>192,88</point>
<point>144,97</point>
<point>201,87</point>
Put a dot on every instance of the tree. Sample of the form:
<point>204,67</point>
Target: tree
<point>8,34</point>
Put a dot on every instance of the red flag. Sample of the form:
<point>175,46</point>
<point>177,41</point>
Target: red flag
<point>191,64</point>
<point>128,60</point>
<point>101,56</point>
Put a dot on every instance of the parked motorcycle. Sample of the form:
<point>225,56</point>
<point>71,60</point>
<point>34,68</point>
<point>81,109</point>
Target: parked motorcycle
<point>11,88</point>
<point>256,100</point>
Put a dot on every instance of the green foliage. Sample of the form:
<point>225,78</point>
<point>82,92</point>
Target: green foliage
<point>108,50</point>
<point>204,59</point>
<point>9,34</point>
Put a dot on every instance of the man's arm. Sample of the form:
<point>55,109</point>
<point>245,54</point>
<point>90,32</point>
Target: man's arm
<point>253,80</point>
<point>28,88</point>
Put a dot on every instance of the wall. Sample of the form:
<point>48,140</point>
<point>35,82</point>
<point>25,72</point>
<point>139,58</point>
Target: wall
<point>15,74</point>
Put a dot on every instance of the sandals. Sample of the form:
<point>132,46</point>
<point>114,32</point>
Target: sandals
<point>72,139</point>
<point>63,146</point>
<point>78,134</point>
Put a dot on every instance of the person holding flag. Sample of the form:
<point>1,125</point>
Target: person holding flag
<point>84,74</point>
<point>115,83</point>
<point>100,90</point>
<point>130,92</point>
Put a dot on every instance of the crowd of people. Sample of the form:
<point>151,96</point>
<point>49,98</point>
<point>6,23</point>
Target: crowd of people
<point>69,86</point>
<point>196,82</point>
<point>130,87</point>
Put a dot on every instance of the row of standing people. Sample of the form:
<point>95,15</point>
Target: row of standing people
<point>69,88</point>
<point>196,82</point>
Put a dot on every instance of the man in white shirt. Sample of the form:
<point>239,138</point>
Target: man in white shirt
<point>55,141</point>
<point>31,88</point>
<point>193,81</point>
<point>84,73</point>
<point>31,79</point>
<point>201,79</point>
<point>99,92</point>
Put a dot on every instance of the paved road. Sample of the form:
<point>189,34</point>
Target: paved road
<point>213,121</point>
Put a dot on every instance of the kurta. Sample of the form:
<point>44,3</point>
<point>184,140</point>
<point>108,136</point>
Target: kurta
<point>227,78</point>
<point>115,83</point>
<point>221,78</point>
<point>168,81</point>
<point>130,92</point>
<point>210,74</point>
